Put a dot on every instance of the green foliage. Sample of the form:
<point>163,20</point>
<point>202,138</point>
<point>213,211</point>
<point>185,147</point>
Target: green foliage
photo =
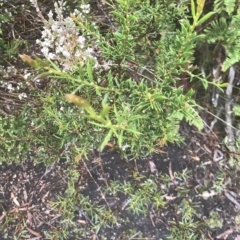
<point>10,41</point>
<point>140,107</point>
<point>224,31</point>
<point>13,46</point>
<point>214,221</point>
<point>140,195</point>
<point>186,228</point>
<point>66,205</point>
<point>236,110</point>
<point>225,5</point>
<point>4,17</point>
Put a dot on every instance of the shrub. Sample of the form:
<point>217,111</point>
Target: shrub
<point>125,79</point>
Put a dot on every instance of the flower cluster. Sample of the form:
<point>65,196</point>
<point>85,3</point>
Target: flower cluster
<point>11,84</point>
<point>61,41</point>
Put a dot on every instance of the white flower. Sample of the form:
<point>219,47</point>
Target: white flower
<point>77,13</point>
<point>45,51</point>
<point>78,54</point>
<point>46,43</point>
<point>55,27</point>
<point>66,54</point>
<point>22,95</point>
<point>59,31</point>
<point>88,53</point>
<point>46,33</point>
<point>38,41</point>
<point>81,40</point>
<point>50,14</point>
<point>62,40</point>
<point>27,75</point>
<point>85,8</point>
<point>59,49</point>
<point>51,56</point>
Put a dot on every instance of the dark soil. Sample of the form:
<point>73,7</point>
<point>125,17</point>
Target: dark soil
<point>27,190</point>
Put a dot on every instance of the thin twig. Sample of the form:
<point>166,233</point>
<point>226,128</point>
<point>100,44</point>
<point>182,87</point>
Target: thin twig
<point>228,106</point>
<point>106,15</point>
<point>133,236</point>
<point>232,199</point>
<point>214,121</point>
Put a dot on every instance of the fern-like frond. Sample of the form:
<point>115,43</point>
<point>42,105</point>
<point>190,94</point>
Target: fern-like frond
<point>224,5</point>
<point>226,30</point>
<point>234,25</point>
<point>217,31</point>
<point>218,6</point>
<point>230,5</point>
<point>233,56</point>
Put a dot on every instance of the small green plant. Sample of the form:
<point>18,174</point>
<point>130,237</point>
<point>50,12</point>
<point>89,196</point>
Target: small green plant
<point>140,196</point>
<point>214,221</point>
<point>9,47</point>
<point>12,47</point>
<point>186,227</point>
<point>4,18</point>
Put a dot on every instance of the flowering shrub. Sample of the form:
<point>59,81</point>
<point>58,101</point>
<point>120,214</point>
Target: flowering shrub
<point>61,40</point>
<point>135,104</point>
<point>132,103</point>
